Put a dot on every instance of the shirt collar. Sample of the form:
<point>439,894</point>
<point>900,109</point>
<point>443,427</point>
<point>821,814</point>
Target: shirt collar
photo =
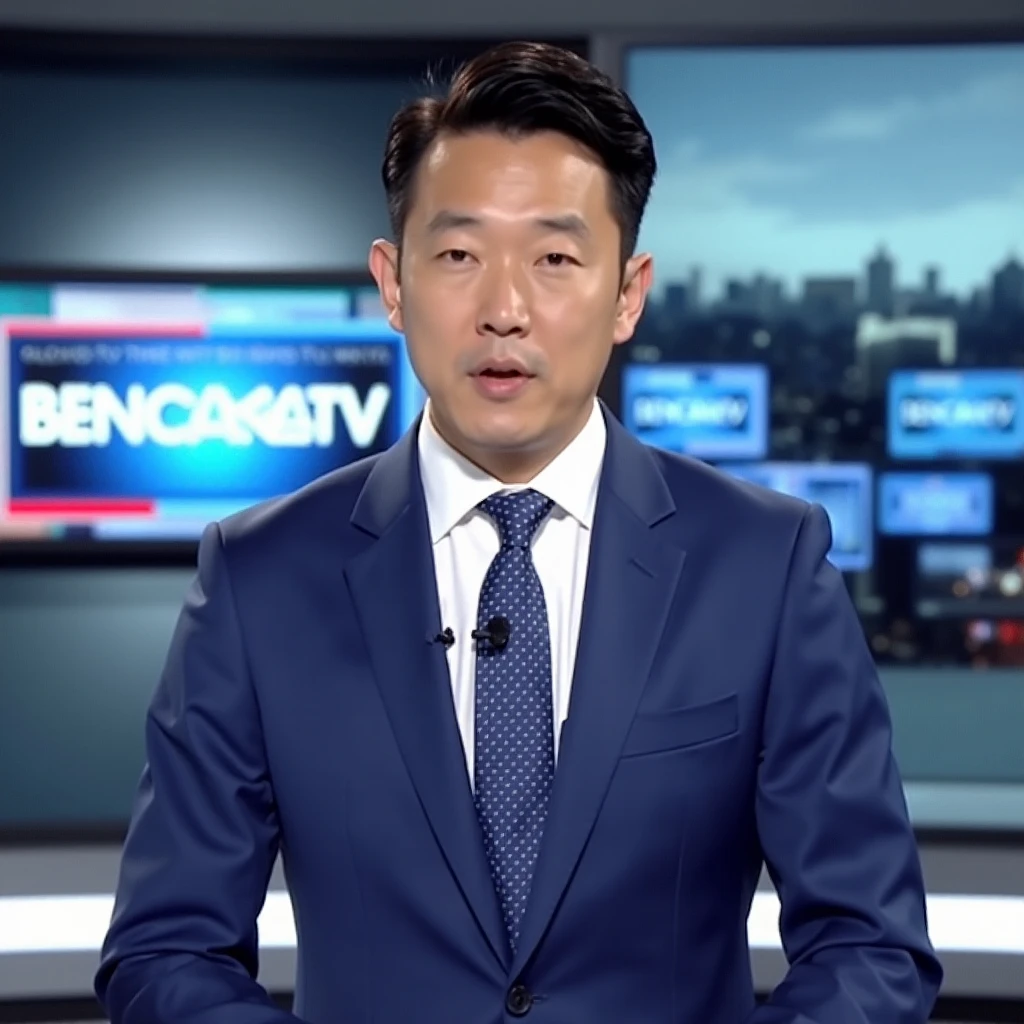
<point>453,486</point>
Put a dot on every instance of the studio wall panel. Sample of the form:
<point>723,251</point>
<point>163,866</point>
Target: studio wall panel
<point>467,17</point>
<point>202,169</point>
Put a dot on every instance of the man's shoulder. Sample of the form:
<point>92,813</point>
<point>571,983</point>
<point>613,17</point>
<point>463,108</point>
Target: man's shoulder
<point>304,517</point>
<point>727,501</point>
<point>744,542</point>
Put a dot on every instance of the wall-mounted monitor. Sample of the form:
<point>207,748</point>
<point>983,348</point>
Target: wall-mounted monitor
<point>971,580</point>
<point>935,504</point>
<point>956,414</point>
<point>844,491</point>
<point>708,411</point>
<point>139,411</point>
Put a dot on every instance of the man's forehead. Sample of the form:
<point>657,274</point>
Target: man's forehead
<point>466,181</point>
<point>449,145</point>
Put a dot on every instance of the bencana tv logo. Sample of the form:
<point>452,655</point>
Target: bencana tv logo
<point>925,412</point>
<point>729,412</point>
<point>171,415</point>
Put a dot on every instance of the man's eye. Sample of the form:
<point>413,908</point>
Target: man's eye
<point>455,255</point>
<point>557,259</point>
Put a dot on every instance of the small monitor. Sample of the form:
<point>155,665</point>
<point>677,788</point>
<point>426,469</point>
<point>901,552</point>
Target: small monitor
<point>936,504</point>
<point>970,580</point>
<point>956,414</point>
<point>709,411</point>
<point>843,490</point>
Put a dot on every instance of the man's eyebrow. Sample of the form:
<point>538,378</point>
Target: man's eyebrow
<point>447,220</point>
<point>563,224</point>
<point>566,224</point>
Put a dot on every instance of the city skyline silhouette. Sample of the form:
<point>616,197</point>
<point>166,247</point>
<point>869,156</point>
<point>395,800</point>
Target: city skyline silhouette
<point>800,162</point>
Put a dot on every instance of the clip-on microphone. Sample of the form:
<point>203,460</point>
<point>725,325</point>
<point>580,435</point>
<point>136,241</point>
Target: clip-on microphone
<point>496,632</point>
<point>446,637</point>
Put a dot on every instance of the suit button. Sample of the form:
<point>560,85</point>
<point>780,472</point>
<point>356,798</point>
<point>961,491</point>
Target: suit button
<point>519,1001</point>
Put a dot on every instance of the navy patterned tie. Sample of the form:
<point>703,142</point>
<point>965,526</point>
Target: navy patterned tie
<point>514,739</point>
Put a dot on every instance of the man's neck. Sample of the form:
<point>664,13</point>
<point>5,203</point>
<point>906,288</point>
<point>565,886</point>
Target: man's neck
<point>512,467</point>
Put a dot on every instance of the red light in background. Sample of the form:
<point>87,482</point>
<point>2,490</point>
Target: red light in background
<point>1011,634</point>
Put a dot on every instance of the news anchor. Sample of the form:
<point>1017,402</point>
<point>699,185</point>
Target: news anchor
<point>523,704</point>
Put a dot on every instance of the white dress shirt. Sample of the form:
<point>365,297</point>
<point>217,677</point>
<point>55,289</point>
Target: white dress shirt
<point>465,541</point>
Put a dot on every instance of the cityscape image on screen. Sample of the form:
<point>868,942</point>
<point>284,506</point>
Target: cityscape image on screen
<point>851,219</point>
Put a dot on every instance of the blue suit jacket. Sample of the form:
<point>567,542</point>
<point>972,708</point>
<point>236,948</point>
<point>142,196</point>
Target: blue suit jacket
<point>725,710</point>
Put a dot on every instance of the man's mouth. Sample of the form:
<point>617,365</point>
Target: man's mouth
<point>502,382</point>
<point>501,374</point>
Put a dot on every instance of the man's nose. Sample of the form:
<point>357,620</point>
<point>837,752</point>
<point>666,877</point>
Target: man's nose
<point>505,307</point>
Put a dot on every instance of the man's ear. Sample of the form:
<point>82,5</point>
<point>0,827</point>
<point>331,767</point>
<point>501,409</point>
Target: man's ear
<point>637,278</point>
<point>384,262</point>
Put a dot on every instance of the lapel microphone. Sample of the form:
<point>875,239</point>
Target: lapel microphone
<point>446,637</point>
<point>496,632</point>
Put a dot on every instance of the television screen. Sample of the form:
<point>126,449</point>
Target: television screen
<point>849,218</point>
<point>935,504</point>
<point>711,412</point>
<point>140,412</point>
<point>951,414</point>
<point>844,491</point>
<point>976,580</point>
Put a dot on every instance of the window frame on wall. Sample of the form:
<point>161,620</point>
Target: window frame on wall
<point>611,51</point>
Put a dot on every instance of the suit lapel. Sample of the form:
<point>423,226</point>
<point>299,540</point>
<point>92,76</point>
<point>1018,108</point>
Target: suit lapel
<point>395,593</point>
<point>631,581</point>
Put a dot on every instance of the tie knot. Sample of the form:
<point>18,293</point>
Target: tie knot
<point>518,515</point>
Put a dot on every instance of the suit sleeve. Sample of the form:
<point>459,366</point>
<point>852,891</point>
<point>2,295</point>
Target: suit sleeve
<point>832,818</point>
<point>182,942</point>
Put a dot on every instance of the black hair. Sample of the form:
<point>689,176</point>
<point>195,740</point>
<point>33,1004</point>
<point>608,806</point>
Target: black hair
<point>517,89</point>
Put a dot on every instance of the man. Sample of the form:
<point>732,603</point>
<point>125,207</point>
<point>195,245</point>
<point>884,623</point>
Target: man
<point>524,704</point>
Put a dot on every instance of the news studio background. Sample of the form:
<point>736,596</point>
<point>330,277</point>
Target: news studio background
<point>838,234</point>
<point>839,314</point>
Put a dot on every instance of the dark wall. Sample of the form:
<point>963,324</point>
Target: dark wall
<point>198,169</point>
<point>81,653</point>
<point>470,17</point>
<point>212,157</point>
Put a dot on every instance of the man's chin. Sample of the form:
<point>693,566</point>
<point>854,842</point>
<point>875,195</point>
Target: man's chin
<point>506,430</point>
<point>507,442</point>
